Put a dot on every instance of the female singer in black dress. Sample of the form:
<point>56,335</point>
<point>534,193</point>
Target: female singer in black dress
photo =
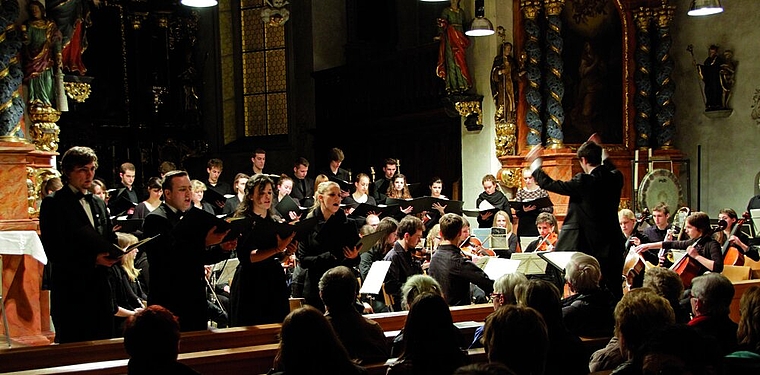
<point>259,292</point>
<point>325,246</point>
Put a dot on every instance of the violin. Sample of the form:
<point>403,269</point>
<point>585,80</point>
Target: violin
<point>474,247</point>
<point>547,243</point>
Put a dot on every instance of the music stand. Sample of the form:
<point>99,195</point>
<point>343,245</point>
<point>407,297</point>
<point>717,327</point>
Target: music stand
<point>558,259</point>
<point>530,263</point>
<point>498,267</point>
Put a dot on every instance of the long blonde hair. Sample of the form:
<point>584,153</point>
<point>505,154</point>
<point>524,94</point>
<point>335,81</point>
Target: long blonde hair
<point>128,260</point>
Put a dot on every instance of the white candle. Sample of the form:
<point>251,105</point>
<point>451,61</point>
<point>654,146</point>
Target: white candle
<point>649,159</point>
<point>636,171</point>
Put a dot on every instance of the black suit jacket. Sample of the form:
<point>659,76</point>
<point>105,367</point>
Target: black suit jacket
<point>177,275</point>
<point>304,195</point>
<point>81,303</point>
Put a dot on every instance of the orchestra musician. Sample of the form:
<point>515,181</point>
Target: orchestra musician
<point>546,224</point>
<point>661,228</point>
<point>633,237</point>
<point>707,253</point>
<point>502,219</point>
<point>736,238</point>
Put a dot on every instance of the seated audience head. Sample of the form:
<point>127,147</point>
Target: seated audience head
<point>748,334</point>
<point>309,345</point>
<point>451,227</point>
<point>504,288</point>
<point>638,314</point>
<point>711,295</point>
<point>512,327</point>
<point>583,273</point>
<point>543,296</point>
<point>152,334</point>
<point>416,285</point>
<point>488,368</point>
<point>337,288</point>
<point>665,282</point>
<point>677,349</point>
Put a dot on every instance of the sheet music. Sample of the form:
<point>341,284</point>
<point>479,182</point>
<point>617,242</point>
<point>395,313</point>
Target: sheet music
<point>530,263</point>
<point>498,267</point>
<point>558,258</point>
<point>375,277</point>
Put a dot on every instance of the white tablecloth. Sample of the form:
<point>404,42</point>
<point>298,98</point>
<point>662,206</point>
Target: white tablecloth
<point>21,242</point>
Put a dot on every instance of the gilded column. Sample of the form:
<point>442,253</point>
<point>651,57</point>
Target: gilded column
<point>665,87</point>
<point>532,50</point>
<point>642,77</point>
<point>555,88</point>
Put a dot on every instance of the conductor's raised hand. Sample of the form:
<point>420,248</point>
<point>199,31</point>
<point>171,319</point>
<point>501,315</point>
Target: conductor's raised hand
<point>534,154</point>
<point>595,138</point>
<point>213,238</point>
<point>351,253</point>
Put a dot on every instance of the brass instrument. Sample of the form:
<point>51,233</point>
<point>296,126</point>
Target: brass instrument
<point>679,220</point>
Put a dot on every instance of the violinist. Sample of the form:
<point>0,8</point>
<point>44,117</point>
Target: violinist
<point>472,246</point>
<point>707,252</point>
<point>546,224</point>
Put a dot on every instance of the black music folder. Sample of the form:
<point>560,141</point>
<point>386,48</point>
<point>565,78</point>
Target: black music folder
<point>539,203</point>
<point>198,222</point>
<point>426,204</point>
<point>344,185</point>
<point>89,235</point>
<point>288,204</point>
<point>302,228</point>
<point>128,225</point>
<point>213,197</point>
<point>336,234</point>
<point>120,205</point>
<point>363,209</point>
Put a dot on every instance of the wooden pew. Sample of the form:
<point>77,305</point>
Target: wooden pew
<point>104,352</point>
<point>739,288</point>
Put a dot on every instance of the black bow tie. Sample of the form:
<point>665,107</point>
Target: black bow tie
<point>87,197</point>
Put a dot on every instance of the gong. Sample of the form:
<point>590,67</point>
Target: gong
<point>660,185</point>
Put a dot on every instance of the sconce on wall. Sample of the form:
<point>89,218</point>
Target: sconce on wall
<point>480,26</point>
<point>199,3</point>
<point>704,7</point>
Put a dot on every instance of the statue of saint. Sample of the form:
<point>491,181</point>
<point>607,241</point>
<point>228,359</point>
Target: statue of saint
<point>452,62</point>
<point>42,58</point>
<point>727,71</point>
<point>72,18</point>
<point>710,74</point>
<point>504,76</point>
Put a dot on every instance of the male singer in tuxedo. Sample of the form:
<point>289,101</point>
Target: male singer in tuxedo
<point>177,260</point>
<point>303,185</point>
<point>76,233</point>
<point>591,224</point>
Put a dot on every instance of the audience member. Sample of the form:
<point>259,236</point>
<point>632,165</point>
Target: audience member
<point>67,217</point>
<point>512,327</point>
<point>565,348</point>
<point>589,310</point>
<point>363,338</point>
<point>180,258</point>
<point>151,338</point>
<point>638,314</point>
<point>493,368</point>
<point>402,265</point>
<point>667,283</point>
<point>412,288</point>
<point>746,360</point>
<point>503,294</point>
<point>259,293</point>
<point>453,271</point>
<point>711,295</point>
<point>309,346</point>
<point>428,348</point>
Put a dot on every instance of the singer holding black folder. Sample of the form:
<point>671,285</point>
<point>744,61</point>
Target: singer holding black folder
<point>259,293</point>
<point>527,213</point>
<point>331,243</point>
<point>178,257</point>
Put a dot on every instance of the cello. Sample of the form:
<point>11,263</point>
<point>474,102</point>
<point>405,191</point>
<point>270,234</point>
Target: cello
<point>732,255</point>
<point>634,263</point>
<point>687,267</point>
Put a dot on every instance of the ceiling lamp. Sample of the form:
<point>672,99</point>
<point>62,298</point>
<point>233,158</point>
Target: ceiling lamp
<point>199,3</point>
<point>704,7</point>
<point>480,26</point>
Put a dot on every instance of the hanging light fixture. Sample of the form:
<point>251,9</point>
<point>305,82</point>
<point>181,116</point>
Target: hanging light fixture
<point>705,7</point>
<point>199,3</point>
<point>480,26</point>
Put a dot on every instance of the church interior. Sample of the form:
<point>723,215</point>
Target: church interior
<point>161,81</point>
